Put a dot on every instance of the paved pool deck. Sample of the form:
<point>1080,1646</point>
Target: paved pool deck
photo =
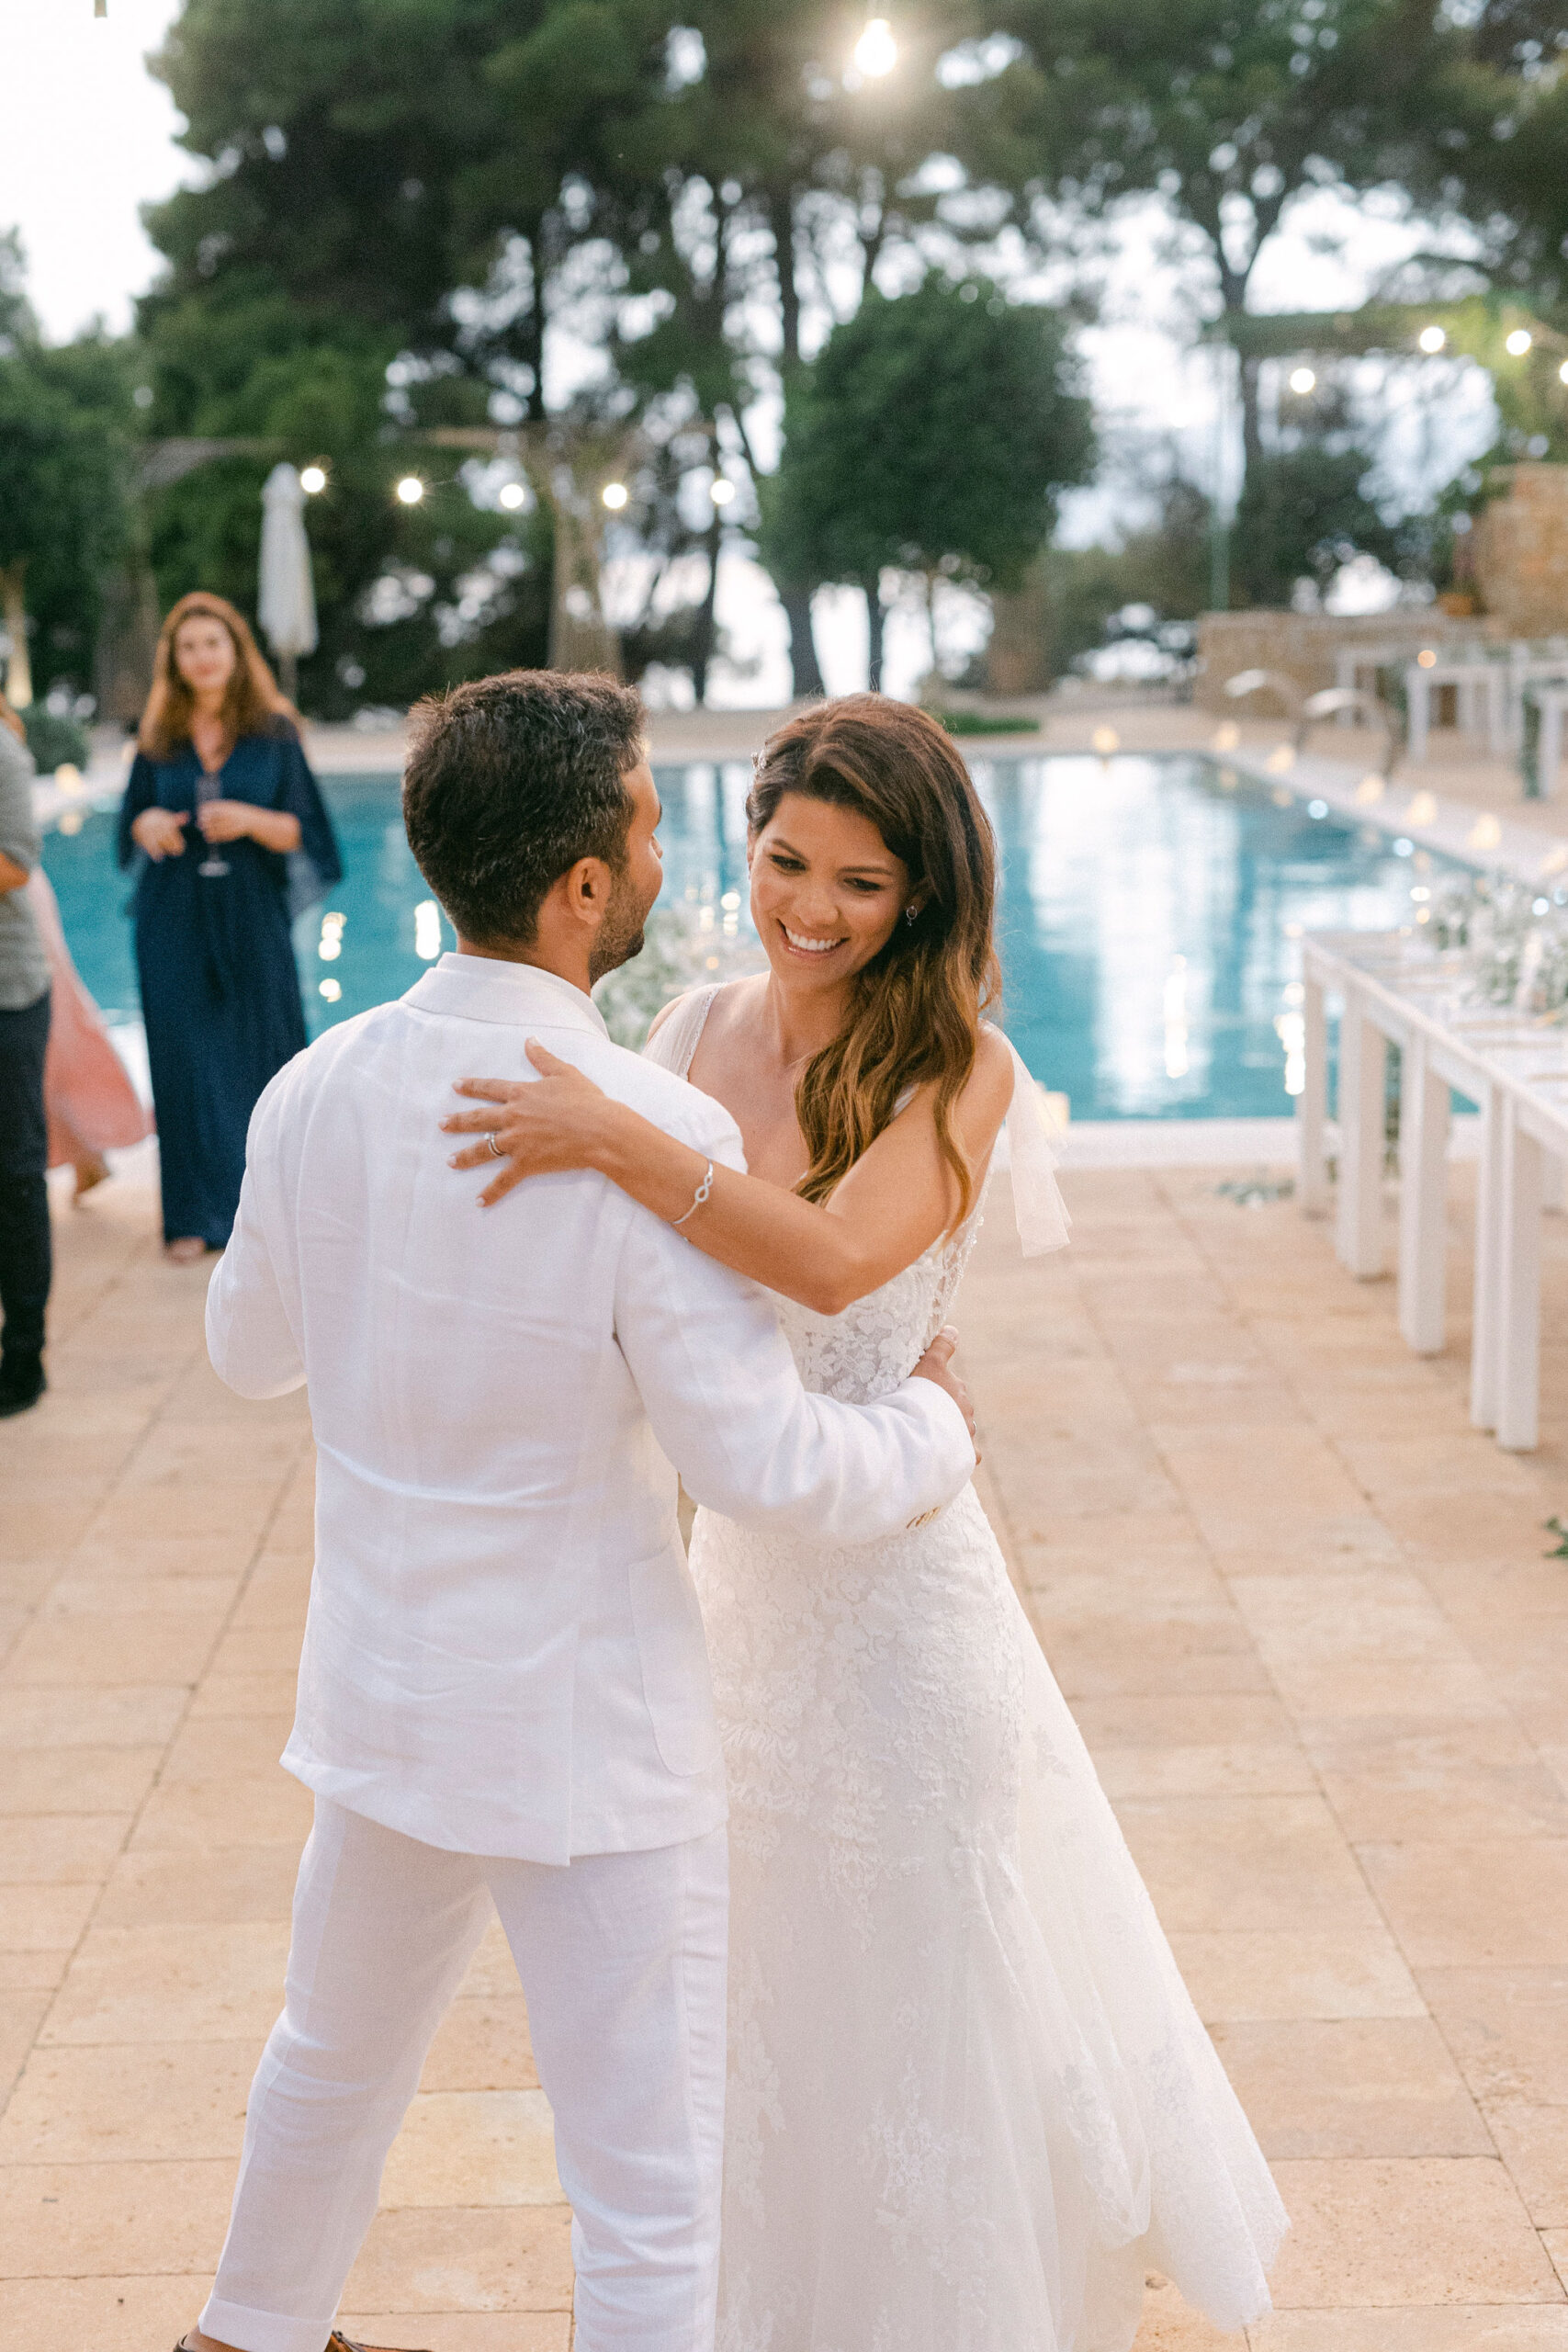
<point>1303,1613</point>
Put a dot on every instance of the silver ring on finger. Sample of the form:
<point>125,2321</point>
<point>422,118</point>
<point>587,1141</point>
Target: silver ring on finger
<point>494,1146</point>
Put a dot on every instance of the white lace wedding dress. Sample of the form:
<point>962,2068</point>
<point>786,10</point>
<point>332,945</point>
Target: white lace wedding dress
<point>970,2103</point>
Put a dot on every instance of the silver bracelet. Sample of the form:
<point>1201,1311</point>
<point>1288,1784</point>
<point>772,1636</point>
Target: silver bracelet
<point>704,1189</point>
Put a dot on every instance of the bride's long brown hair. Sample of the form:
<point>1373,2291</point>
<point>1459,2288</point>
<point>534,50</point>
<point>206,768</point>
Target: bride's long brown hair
<point>915,1010</point>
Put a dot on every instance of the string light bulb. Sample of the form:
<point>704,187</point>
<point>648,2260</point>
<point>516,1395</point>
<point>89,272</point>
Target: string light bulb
<point>1303,381</point>
<point>876,51</point>
<point>1431,339</point>
<point>411,490</point>
<point>614,495</point>
<point>313,478</point>
<point>1518,342</point>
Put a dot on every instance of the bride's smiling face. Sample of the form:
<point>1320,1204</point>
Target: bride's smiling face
<point>827,891</point>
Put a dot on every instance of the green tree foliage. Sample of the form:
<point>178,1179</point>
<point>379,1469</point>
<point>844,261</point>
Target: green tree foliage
<point>1500,144</point>
<point>1305,513</point>
<point>66,418</point>
<point>670,183</point>
<point>1165,564</point>
<point>933,434</point>
<point>410,598</point>
<point>1230,111</point>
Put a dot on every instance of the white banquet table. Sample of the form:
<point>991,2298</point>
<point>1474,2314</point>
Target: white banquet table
<point>1393,991</point>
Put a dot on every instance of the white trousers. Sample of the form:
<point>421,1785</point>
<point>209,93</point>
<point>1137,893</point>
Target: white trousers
<point>623,1962</point>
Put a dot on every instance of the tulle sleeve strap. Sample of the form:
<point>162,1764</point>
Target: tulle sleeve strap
<point>1043,1220</point>
<point>317,863</point>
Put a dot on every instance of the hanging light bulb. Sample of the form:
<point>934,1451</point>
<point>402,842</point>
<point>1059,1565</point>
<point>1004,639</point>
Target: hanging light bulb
<point>1518,342</point>
<point>614,495</point>
<point>876,51</point>
<point>1303,381</point>
<point>1431,339</point>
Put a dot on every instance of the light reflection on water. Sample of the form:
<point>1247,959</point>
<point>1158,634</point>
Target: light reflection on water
<point>1148,918</point>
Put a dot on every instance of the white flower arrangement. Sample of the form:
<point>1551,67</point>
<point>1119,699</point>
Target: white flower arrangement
<point>688,943</point>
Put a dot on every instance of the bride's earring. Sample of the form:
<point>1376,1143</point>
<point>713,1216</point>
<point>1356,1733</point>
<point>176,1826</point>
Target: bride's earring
<point>911,912</point>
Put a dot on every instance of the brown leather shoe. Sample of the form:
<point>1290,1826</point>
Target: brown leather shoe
<point>336,2342</point>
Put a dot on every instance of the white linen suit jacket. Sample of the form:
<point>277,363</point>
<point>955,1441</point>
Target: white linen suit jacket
<point>504,1653</point>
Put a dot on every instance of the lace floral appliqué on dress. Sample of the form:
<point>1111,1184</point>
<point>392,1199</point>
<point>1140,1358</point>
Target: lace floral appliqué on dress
<point>970,2102</point>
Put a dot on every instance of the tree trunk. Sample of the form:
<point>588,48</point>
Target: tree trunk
<point>780,219</point>
<point>128,639</point>
<point>1018,659</point>
<point>875,624</point>
<point>1251,417</point>
<point>13,609</point>
<point>805,673</point>
<point>704,630</point>
<point>533,337</point>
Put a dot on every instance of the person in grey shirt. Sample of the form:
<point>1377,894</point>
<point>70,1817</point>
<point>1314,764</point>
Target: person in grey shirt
<point>25,1256</point>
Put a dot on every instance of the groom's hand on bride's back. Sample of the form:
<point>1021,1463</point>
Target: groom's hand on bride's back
<point>937,1365</point>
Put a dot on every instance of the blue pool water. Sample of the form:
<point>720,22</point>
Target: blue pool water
<point>1150,914</point>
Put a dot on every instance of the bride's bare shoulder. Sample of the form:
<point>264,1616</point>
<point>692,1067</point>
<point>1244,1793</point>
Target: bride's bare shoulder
<point>725,1002</point>
<point>987,1093</point>
<point>993,1072</point>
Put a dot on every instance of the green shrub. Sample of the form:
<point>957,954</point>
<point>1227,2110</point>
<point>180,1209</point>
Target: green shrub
<point>975,722</point>
<point>54,740</point>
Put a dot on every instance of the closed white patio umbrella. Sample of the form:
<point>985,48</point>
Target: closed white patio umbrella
<point>285,603</point>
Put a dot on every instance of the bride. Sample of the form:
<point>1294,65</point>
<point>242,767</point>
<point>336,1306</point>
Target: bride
<point>970,2102</point>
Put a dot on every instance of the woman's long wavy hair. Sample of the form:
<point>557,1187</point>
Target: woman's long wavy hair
<point>253,703</point>
<point>915,1010</point>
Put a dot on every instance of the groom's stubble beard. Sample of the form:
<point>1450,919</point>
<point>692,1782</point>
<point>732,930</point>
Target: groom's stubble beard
<point>620,935</point>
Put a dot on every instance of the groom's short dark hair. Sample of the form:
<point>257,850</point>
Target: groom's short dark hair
<point>510,780</point>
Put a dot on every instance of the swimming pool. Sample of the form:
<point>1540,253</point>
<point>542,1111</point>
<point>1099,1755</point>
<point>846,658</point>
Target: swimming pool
<point>1149,915</point>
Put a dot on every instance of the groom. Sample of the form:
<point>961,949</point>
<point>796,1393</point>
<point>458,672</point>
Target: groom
<point>503,1692</point>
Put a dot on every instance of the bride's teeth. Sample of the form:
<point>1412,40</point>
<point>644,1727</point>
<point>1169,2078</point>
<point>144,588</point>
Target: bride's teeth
<point>810,946</point>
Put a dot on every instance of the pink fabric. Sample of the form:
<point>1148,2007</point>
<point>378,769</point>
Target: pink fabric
<point>91,1103</point>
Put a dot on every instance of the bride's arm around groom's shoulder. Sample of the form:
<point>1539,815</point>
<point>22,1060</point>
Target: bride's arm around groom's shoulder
<point>721,1390</point>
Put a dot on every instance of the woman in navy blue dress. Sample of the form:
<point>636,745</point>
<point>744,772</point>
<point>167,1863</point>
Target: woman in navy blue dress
<point>230,837</point>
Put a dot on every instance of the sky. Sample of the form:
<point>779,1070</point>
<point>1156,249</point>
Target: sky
<point>87,138</point>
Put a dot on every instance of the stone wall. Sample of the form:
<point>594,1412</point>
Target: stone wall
<point>1302,645</point>
<point>1521,552</point>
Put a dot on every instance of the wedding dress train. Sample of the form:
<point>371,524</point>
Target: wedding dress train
<point>970,2102</point>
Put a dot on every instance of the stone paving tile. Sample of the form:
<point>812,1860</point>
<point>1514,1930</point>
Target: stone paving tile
<point>1508,2029</point>
<point>1501,1904</point>
<point>1305,1622</point>
<point>143,2314</point>
<point>1467,2327</point>
<point>473,2147</point>
<point>1355,2087</point>
<point>1412,2231</point>
<point>148,2103</point>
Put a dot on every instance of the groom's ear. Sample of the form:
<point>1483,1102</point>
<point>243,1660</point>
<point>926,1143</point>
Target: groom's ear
<point>585,890</point>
